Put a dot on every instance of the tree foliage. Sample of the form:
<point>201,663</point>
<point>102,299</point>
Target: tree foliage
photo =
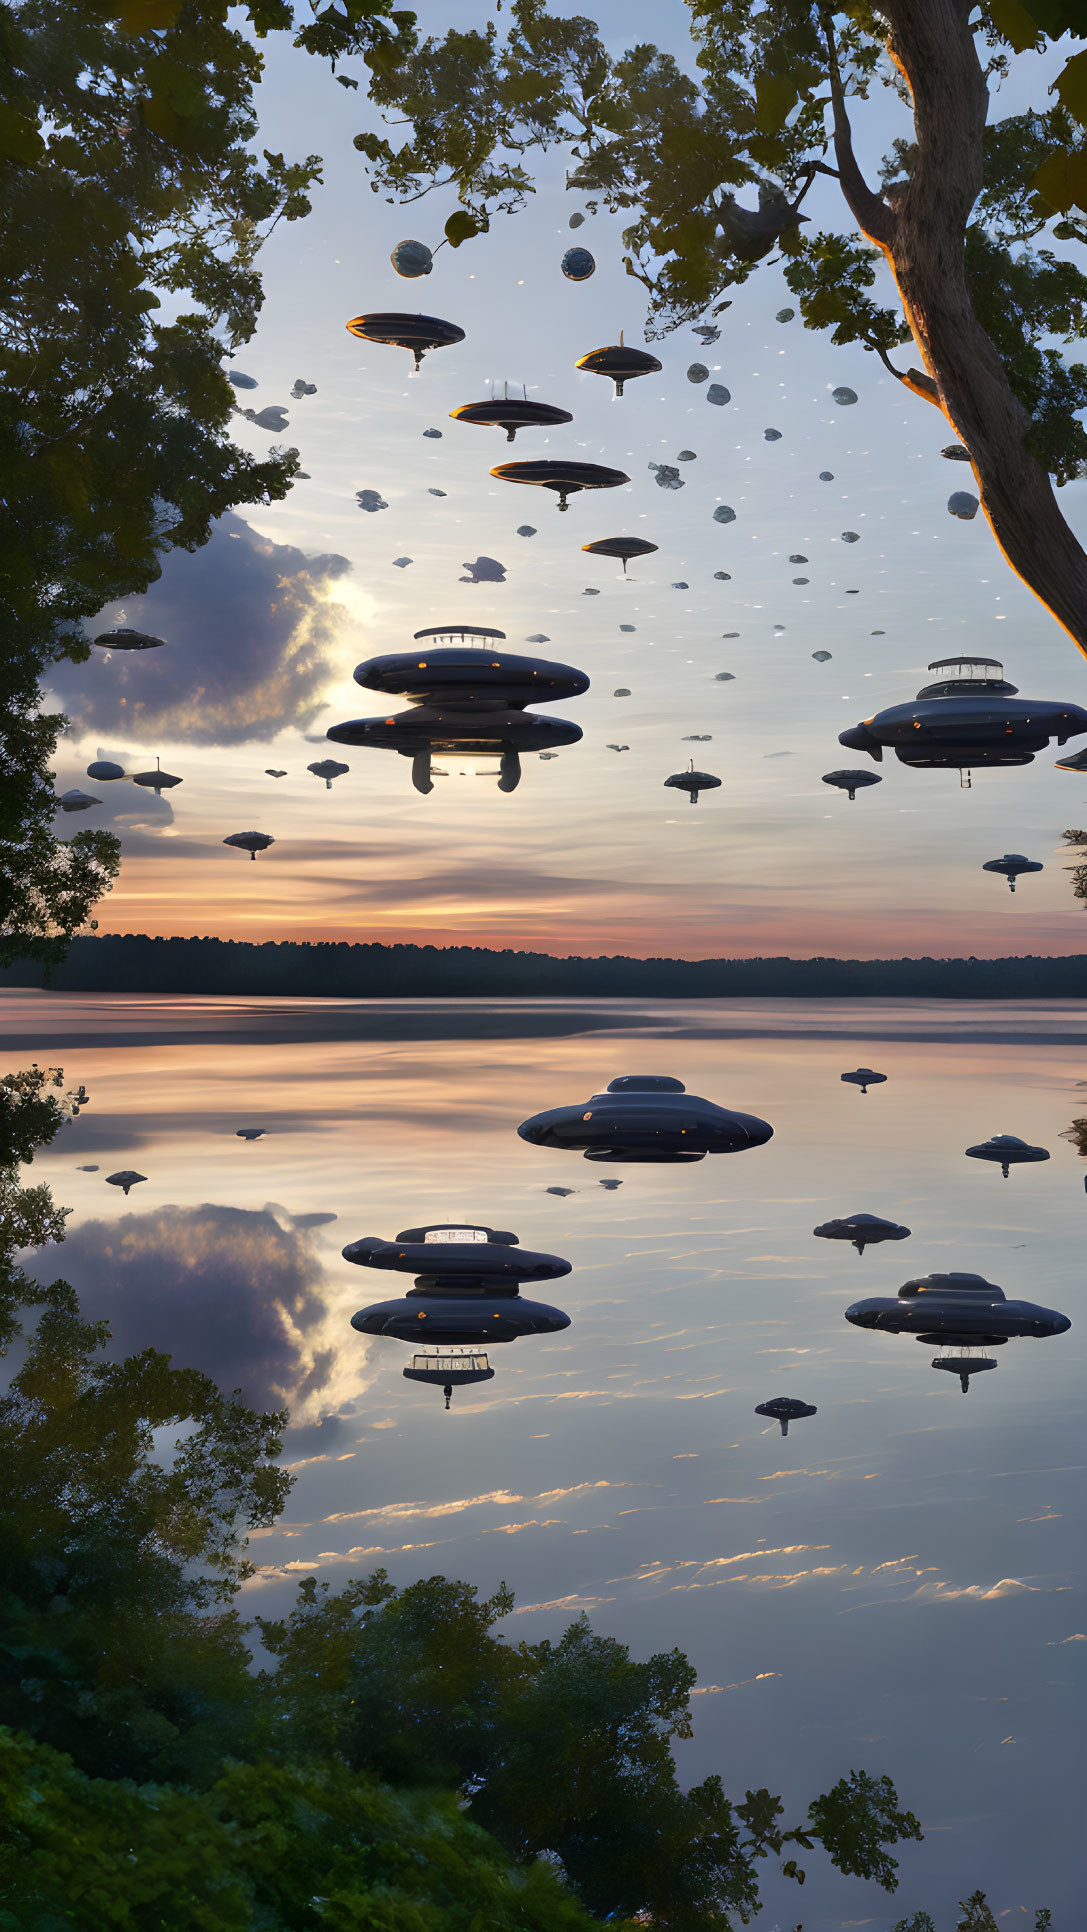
<point>271,1847</point>
<point>119,1561</point>
<point>134,212</point>
<point>562,1749</point>
<point>1076,839</point>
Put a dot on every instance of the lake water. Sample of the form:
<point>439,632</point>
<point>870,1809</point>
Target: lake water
<point>897,1585</point>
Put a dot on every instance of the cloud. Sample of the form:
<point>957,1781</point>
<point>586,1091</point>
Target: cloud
<point>127,808</point>
<point>248,627</point>
<point>396,1512</point>
<point>562,1603</point>
<point>222,1289</point>
<point>1008,1586</point>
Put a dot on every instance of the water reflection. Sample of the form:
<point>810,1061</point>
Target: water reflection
<point>619,1465</point>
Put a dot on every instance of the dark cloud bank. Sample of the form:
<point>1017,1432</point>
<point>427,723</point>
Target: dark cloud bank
<point>226,1290</point>
<point>249,635</point>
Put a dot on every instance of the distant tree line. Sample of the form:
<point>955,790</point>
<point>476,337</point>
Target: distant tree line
<point>135,963</point>
<point>399,1768</point>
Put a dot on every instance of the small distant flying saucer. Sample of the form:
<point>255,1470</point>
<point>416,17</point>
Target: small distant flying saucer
<point>417,333</point>
<point>625,548</point>
<point>565,477</point>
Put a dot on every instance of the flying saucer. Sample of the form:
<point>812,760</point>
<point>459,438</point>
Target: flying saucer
<point>417,333</point>
<point>618,362</point>
<point>328,769</point>
<point>450,1371</point>
<point>1008,1150</point>
<point>76,801</point>
<point>624,548</point>
<point>1012,866</point>
<point>863,1230</point>
<point>511,413</point>
<point>969,717</point>
<point>864,1078</point>
<point>270,772</point>
<point>956,1310</point>
<point>563,475</point>
<point>123,638</point>
<point>467,696</point>
<point>104,769</point>
<point>251,842</point>
<point>785,1409</point>
<point>126,1178</point>
<point>156,781</point>
<point>692,782</point>
<point>646,1118</point>
<point>467,1286</point>
<point>852,781</point>
<point>249,1133</point>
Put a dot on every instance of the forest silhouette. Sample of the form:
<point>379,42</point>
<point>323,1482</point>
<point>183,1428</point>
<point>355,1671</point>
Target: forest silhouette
<point>136,963</point>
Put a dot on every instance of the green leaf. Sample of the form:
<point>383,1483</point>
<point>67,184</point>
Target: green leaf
<point>1062,181</point>
<point>1057,17</point>
<point>1017,25</point>
<point>19,137</point>
<point>775,97</point>
<point>461,226</point>
<point>147,16</point>
<point>1070,86</point>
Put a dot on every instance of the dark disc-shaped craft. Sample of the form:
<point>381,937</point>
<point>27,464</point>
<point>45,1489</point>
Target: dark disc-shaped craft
<point>785,1409</point>
<point>862,1230</point>
<point>156,781</point>
<point>251,842</point>
<point>864,1077</point>
<point>646,1118</point>
<point>692,782</point>
<point>565,477</point>
<point>618,362</point>
<point>969,716</point>
<point>447,1320</point>
<point>417,333</point>
<point>852,781</point>
<point>463,676</point>
<point>125,639</point>
<point>1012,866</point>
<point>624,548</point>
<point>958,1309</point>
<point>511,413</point>
<point>460,1257</point>
<point>1007,1151</point>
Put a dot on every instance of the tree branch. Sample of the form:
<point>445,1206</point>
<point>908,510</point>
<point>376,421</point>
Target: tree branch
<point>869,209</point>
<point>914,379</point>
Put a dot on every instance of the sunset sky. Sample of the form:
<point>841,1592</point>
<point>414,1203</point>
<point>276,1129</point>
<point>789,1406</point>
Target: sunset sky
<point>591,854</point>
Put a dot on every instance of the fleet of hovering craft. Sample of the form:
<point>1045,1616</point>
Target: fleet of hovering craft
<point>472,700</point>
<point>468,695</point>
<point>468,1279</point>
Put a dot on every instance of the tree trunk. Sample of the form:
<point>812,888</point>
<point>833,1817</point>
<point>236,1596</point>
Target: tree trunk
<point>922,234</point>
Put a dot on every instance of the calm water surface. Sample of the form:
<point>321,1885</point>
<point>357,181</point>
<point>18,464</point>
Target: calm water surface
<point>897,1585</point>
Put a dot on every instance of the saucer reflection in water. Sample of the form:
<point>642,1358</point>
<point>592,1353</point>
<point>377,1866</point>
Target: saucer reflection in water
<point>646,1118</point>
